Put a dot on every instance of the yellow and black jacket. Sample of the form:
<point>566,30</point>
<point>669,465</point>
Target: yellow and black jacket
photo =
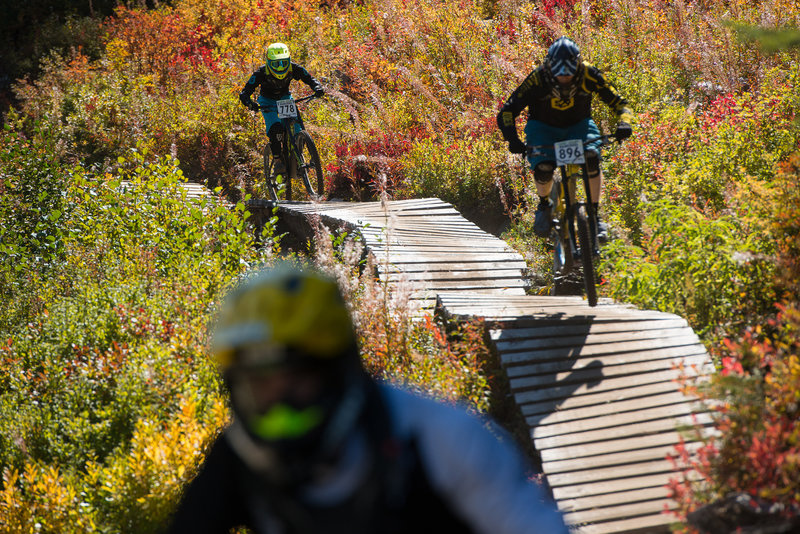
<point>545,102</point>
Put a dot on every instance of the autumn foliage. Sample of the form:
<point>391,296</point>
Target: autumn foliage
<point>109,276</point>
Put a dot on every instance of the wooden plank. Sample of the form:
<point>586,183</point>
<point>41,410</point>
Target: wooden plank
<point>512,358</point>
<point>669,397</point>
<point>597,397</point>
<point>595,384</point>
<point>609,384</point>
<point>455,275</point>
<point>591,474</point>
<point>649,524</point>
<point>613,418</point>
<point>614,445</point>
<point>533,344</point>
<point>674,354</point>
<point>609,486</point>
<point>433,286</point>
<point>454,266</point>
<point>595,372</point>
<point>615,458</point>
<point>595,327</point>
<point>614,433</point>
<point>625,511</point>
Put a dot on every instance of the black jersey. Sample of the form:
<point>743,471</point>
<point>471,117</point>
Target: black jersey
<point>272,87</point>
<point>550,107</point>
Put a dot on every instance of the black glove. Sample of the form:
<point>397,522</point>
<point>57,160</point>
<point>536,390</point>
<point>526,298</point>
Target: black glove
<point>515,146</point>
<point>624,131</point>
<point>253,106</point>
<point>319,91</point>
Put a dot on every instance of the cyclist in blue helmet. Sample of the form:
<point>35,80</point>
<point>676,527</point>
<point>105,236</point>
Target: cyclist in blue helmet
<point>317,445</point>
<point>275,77</point>
<point>558,95</point>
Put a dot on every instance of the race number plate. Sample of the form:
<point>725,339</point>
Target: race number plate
<point>287,109</point>
<point>569,152</point>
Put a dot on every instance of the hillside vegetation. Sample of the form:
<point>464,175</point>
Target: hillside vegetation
<point>110,276</point>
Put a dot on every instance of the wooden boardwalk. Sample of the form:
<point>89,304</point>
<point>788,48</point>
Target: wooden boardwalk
<point>597,386</point>
<point>425,243</point>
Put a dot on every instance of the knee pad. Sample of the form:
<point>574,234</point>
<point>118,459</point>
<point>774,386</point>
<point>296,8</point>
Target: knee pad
<point>592,163</point>
<point>543,172</point>
<point>275,135</point>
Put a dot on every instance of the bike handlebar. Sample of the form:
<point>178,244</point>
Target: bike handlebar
<point>604,140</point>
<point>296,100</point>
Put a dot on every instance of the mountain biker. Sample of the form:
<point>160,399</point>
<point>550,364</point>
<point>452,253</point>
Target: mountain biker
<point>558,95</point>
<point>274,78</point>
<point>317,445</point>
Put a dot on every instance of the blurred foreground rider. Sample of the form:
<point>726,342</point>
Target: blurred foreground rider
<point>275,77</point>
<point>317,446</point>
<point>558,95</point>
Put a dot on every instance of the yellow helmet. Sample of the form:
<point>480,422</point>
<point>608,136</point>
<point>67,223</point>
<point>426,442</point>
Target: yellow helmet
<point>278,60</point>
<point>285,344</point>
<point>280,314</point>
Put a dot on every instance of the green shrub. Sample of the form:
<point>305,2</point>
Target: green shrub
<point>706,270</point>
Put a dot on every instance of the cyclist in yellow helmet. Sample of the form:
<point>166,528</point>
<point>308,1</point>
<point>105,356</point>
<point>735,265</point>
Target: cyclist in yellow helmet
<point>274,78</point>
<point>317,445</point>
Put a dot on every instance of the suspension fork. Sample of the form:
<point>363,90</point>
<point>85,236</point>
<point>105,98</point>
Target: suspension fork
<point>589,202</point>
<point>569,208</point>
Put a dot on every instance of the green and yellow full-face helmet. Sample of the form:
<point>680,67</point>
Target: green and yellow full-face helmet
<point>281,316</point>
<point>278,60</point>
<point>286,346</point>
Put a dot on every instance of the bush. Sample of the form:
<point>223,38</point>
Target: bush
<point>706,270</point>
<point>106,395</point>
<point>754,399</point>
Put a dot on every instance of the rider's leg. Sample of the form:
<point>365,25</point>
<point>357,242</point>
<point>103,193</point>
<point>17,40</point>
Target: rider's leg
<point>596,187</point>
<point>269,110</point>
<point>595,174</point>
<point>543,176</point>
<point>274,133</point>
<point>543,165</point>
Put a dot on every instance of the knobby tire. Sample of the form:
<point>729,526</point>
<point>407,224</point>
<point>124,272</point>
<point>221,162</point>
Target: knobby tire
<point>562,260</point>
<point>272,187</point>
<point>309,167</point>
<point>587,255</point>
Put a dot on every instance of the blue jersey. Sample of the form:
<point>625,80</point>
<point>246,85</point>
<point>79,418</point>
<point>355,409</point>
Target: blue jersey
<point>434,469</point>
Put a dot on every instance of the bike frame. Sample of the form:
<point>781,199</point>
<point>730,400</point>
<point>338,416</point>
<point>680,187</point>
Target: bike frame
<point>289,150</point>
<point>569,217</point>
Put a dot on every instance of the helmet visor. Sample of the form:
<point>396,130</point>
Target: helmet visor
<point>563,67</point>
<point>279,65</point>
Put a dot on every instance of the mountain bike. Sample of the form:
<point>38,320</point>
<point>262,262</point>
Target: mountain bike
<point>299,155</point>
<point>574,230</point>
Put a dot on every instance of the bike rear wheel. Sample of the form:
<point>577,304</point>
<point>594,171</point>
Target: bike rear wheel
<point>269,180</point>
<point>587,255</point>
<point>309,167</point>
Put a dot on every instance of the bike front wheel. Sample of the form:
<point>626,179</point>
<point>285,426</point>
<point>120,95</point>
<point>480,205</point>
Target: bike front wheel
<point>269,177</point>
<point>309,168</point>
<point>587,255</point>
<point>562,261</point>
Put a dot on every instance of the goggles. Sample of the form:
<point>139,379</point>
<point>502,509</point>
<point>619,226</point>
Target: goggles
<point>279,64</point>
<point>563,67</point>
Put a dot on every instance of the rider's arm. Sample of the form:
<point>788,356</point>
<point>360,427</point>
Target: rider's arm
<point>483,479</point>
<point>597,83</point>
<point>519,99</point>
<point>300,73</point>
<point>247,91</point>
